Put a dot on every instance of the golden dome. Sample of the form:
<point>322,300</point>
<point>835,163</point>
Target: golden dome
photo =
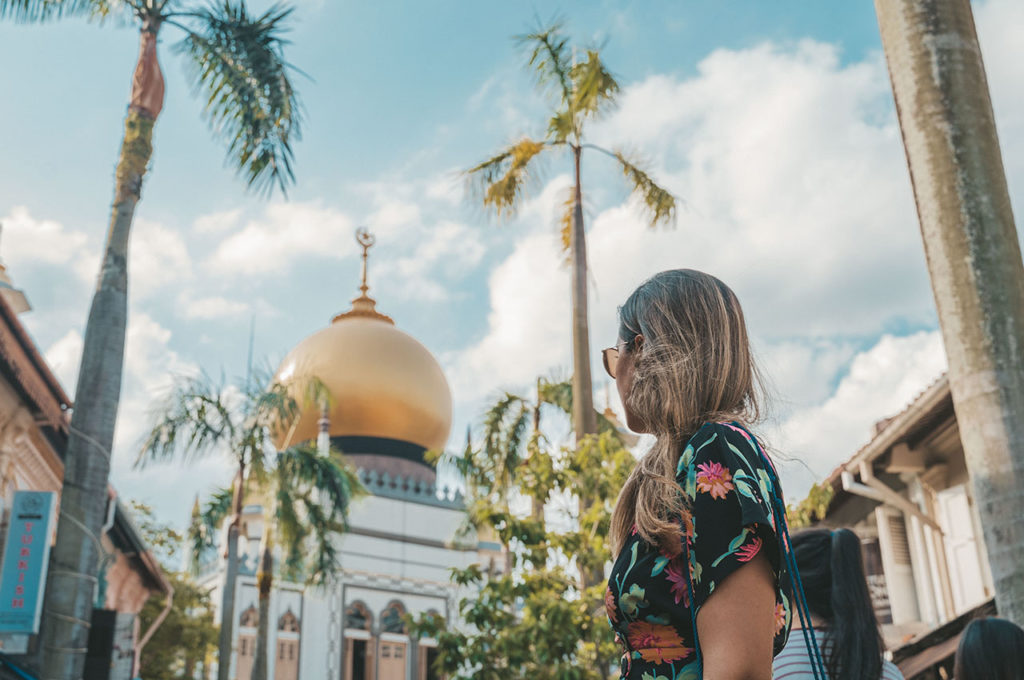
<point>382,382</point>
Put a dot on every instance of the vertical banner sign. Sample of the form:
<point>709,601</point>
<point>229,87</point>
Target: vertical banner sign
<point>26,558</point>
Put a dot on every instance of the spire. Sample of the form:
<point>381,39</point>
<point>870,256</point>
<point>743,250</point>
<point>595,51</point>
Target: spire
<point>364,306</point>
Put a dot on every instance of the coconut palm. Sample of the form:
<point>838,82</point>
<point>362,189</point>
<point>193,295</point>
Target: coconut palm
<point>200,417</point>
<point>237,66</point>
<point>305,496</point>
<point>581,91</point>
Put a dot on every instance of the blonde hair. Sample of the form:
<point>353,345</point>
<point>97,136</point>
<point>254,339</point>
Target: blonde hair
<point>693,366</point>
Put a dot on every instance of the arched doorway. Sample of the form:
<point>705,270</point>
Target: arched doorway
<point>393,645</point>
<point>360,651</point>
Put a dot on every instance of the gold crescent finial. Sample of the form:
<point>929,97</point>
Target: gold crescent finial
<point>364,306</point>
<point>365,239</point>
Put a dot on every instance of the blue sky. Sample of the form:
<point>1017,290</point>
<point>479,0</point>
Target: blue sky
<point>773,121</point>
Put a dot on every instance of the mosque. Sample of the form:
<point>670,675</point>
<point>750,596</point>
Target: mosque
<point>390,405</point>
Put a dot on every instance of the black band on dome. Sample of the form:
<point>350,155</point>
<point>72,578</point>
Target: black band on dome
<point>381,446</point>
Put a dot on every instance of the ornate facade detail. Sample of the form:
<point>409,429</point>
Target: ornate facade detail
<point>412,490</point>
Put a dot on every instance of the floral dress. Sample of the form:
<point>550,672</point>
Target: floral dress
<point>728,491</point>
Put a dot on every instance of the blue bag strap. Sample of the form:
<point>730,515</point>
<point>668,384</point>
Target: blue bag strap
<point>800,600</point>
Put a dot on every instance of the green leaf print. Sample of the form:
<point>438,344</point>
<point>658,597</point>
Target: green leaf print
<point>685,460</point>
<point>688,672</point>
<point>648,676</point>
<point>632,601</point>
<point>657,620</point>
<point>733,545</point>
<point>744,485</point>
<point>659,565</point>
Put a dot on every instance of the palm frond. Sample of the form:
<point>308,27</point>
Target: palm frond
<point>659,203</point>
<point>561,125</point>
<point>314,493</point>
<point>195,418</point>
<point>551,60</point>
<point>594,87</point>
<point>36,11</point>
<point>205,523</point>
<point>558,394</point>
<point>237,63</point>
<point>502,179</point>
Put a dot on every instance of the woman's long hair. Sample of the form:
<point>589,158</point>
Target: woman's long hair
<point>990,649</point>
<point>832,573</point>
<point>694,366</point>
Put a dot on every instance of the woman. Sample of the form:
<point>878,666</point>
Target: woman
<point>698,578</point>
<point>832,574</point>
<point>990,649</point>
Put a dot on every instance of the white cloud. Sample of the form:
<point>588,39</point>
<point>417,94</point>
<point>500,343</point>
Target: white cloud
<point>528,331</point>
<point>27,240</point>
<point>211,307</point>
<point>797,196</point>
<point>288,233</point>
<point>880,383</point>
<point>217,222</point>
<point>158,256</point>
<point>63,357</point>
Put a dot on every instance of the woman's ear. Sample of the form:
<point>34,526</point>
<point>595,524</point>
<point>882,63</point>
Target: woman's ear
<point>639,340</point>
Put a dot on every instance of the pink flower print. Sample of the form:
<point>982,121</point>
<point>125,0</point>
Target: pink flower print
<point>737,429</point>
<point>780,617</point>
<point>748,551</point>
<point>714,478</point>
<point>657,642</point>
<point>680,581</point>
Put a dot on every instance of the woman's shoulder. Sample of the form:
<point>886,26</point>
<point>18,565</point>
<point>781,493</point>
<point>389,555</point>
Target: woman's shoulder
<point>719,443</point>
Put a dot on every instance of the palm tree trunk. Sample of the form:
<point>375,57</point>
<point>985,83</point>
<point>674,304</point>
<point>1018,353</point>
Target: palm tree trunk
<point>226,641</point>
<point>71,586</point>
<point>973,257</point>
<point>584,417</point>
<point>265,582</point>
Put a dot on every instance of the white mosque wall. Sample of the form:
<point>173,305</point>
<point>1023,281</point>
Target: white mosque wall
<point>396,551</point>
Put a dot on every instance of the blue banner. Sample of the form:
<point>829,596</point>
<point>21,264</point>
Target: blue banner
<point>26,558</point>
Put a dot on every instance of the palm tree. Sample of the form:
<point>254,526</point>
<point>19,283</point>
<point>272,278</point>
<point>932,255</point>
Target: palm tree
<point>582,91</point>
<point>200,417</point>
<point>237,65</point>
<point>306,497</point>
<point>974,257</point>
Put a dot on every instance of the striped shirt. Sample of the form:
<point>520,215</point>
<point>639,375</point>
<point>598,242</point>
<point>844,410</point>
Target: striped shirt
<point>794,663</point>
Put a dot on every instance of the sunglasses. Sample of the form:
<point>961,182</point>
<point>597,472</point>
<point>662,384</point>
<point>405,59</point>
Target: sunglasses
<point>610,357</point>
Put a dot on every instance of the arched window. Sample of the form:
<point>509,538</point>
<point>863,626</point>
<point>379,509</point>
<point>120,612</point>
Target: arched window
<point>250,618</point>
<point>391,618</point>
<point>357,616</point>
<point>288,623</point>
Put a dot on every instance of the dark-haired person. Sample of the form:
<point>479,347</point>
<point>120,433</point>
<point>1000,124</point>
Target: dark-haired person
<point>990,649</point>
<point>698,579</point>
<point>832,573</point>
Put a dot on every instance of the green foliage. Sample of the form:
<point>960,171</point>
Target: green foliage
<point>311,498</point>
<point>187,638</point>
<point>580,90</point>
<point>659,204</point>
<point>236,62</point>
<point>205,523</point>
<point>305,493</point>
<point>534,620</point>
<point>812,508</point>
<point>33,11</point>
<point>163,539</point>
